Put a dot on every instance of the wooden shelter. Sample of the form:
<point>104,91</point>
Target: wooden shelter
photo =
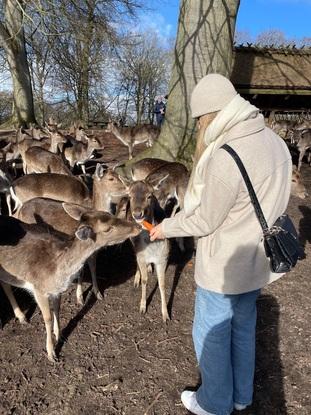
<point>274,78</point>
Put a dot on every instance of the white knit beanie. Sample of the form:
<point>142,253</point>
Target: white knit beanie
<point>212,93</point>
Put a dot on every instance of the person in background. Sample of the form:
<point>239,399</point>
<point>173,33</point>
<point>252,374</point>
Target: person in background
<point>230,266</point>
<point>159,110</point>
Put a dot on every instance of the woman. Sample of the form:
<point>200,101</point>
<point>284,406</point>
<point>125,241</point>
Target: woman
<point>231,265</point>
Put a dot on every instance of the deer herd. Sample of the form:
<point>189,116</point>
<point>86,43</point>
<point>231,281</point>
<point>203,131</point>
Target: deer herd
<point>58,215</point>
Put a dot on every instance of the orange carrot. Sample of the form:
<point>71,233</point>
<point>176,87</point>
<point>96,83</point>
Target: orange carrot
<point>147,225</point>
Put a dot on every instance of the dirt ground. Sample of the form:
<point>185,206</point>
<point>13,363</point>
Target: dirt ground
<point>112,360</point>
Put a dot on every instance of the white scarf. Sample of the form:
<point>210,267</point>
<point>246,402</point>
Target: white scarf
<point>236,111</point>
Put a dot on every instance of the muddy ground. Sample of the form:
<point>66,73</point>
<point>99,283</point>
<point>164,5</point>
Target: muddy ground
<point>112,360</point>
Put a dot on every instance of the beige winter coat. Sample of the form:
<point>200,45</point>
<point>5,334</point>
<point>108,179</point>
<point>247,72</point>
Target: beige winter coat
<point>230,256</point>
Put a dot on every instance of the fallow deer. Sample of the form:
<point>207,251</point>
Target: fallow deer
<point>79,153</point>
<point>131,136</point>
<point>298,188</point>
<point>44,264</point>
<point>142,168</point>
<point>169,181</point>
<point>107,189</point>
<point>39,160</point>
<point>50,185</point>
<point>143,205</point>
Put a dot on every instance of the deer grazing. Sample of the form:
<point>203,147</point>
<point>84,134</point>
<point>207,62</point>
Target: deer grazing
<point>143,205</point>
<point>131,136</point>
<point>45,264</point>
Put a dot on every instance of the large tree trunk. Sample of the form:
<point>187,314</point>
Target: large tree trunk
<point>204,45</point>
<point>13,40</point>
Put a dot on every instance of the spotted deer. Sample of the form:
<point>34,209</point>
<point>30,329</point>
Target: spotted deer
<point>132,136</point>
<point>45,264</point>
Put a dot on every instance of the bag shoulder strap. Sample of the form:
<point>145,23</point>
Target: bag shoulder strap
<point>251,191</point>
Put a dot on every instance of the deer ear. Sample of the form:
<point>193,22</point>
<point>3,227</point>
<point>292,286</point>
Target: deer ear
<point>75,211</point>
<point>126,182</point>
<point>84,232</point>
<point>99,171</point>
<point>157,185</point>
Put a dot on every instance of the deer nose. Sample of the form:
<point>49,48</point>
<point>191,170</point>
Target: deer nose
<point>138,215</point>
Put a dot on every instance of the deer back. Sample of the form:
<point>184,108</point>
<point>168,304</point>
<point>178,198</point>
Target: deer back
<point>39,160</point>
<point>53,186</point>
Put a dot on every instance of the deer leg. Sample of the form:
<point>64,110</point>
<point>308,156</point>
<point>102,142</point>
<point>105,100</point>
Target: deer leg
<point>160,269</point>
<point>137,278</point>
<point>130,151</point>
<point>43,303</point>
<point>181,243</point>
<point>8,202</point>
<point>176,206</point>
<point>56,307</point>
<point>17,311</point>
<point>144,279</point>
<point>301,155</point>
<point>92,265</point>
<point>79,292</point>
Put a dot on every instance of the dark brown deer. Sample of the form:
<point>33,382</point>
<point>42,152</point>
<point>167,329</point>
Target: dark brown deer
<point>45,264</point>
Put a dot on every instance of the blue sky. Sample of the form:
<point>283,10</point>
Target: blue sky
<point>293,17</point>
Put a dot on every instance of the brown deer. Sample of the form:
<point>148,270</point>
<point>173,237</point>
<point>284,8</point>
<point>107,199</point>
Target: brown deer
<point>298,188</point>
<point>169,181</point>
<point>50,185</point>
<point>143,205</point>
<point>41,262</point>
<point>39,160</point>
<point>107,189</point>
<point>303,144</point>
<point>53,143</point>
<point>131,136</point>
<point>79,153</point>
<point>142,168</point>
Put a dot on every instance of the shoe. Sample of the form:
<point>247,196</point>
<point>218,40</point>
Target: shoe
<point>190,402</point>
<point>239,406</point>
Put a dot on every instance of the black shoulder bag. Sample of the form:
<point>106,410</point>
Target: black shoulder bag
<point>280,241</point>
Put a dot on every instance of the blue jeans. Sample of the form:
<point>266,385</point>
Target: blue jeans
<point>224,334</point>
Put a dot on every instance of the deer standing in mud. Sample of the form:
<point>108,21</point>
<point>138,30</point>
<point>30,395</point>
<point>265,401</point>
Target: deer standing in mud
<point>107,189</point>
<point>143,205</point>
<point>45,264</point>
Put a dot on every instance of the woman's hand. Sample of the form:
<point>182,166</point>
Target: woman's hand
<point>156,233</point>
